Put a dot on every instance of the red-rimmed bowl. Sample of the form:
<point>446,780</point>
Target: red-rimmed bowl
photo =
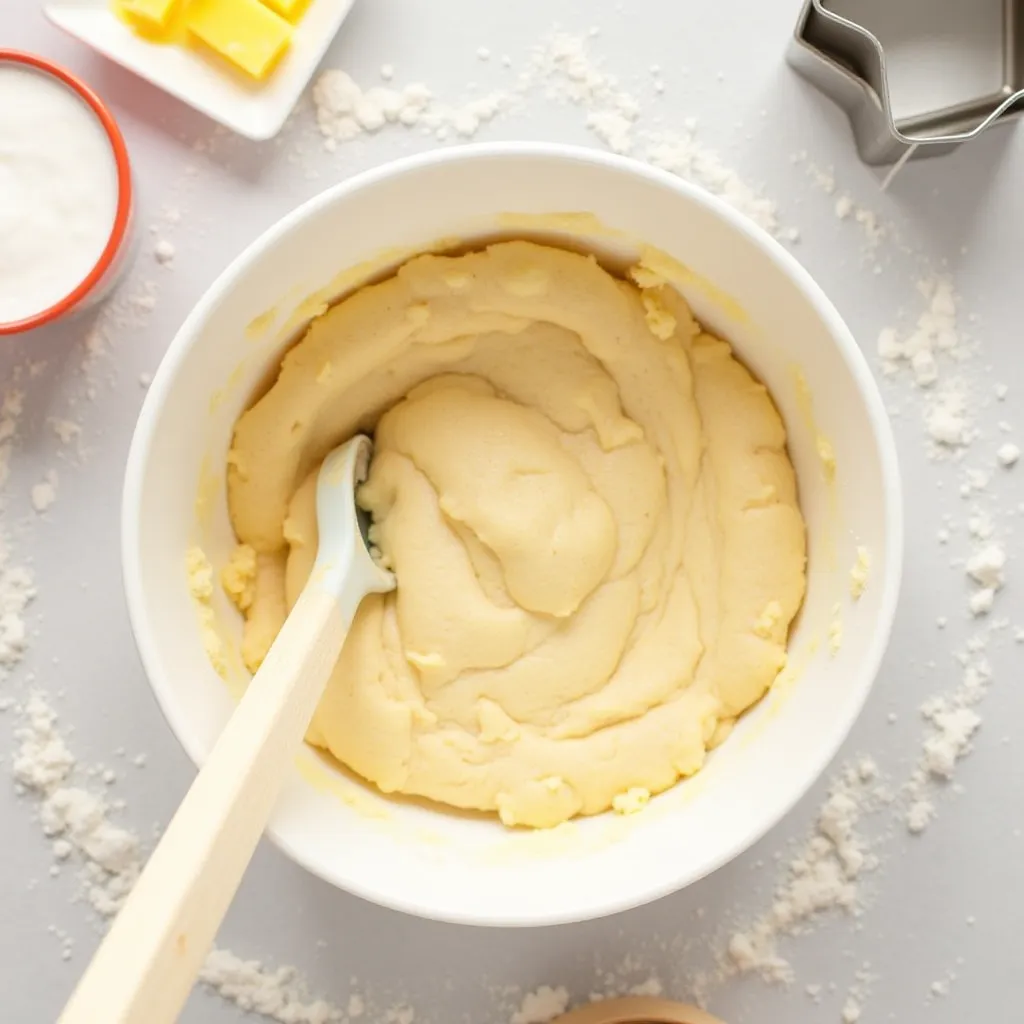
<point>113,258</point>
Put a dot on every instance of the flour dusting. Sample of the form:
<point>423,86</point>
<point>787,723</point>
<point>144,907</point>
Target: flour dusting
<point>44,493</point>
<point>77,821</point>
<point>823,877</point>
<point>17,590</point>
<point>951,720</point>
<point>561,69</point>
<point>278,994</point>
<point>541,1006</point>
<point>17,586</point>
<point>12,404</point>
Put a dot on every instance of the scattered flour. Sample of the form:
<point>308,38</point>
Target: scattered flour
<point>953,728</point>
<point>78,823</point>
<point>845,208</point>
<point>853,1006</point>
<point>823,178</point>
<point>78,820</point>
<point>920,814</point>
<point>929,350</point>
<point>851,1011</point>
<point>652,986</point>
<point>874,230</point>
<point>974,480</point>
<point>43,760</point>
<point>11,407</point>
<point>344,110</point>
<point>946,419</point>
<point>16,586</point>
<point>987,568</point>
<point>951,720</point>
<point>684,156</point>
<point>614,129</point>
<point>979,526</point>
<point>66,431</point>
<point>541,1006</point>
<point>279,994</point>
<point>563,64</point>
<point>823,877</point>
<point>164,251</point>
<point>1008,454</point>
<point>44,493</point>
<point>562,69</point>
<point>95,341</point>
<point>17,590</point>
<point>935,332</point>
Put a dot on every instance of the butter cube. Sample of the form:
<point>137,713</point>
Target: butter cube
<point>154,15</point>
<point>286,8</point>
<point>244,32</point>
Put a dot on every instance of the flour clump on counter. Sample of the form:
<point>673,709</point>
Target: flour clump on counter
<point>823,877</point>
<point>589,507</point>
<point>17,591</point>
<point>74,819</point>
<point>561,68</point>
<point>541,1006</point>
<point>277,994</point>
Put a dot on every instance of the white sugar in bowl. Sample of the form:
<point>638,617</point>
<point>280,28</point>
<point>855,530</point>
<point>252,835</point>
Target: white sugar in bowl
<point>65,194</point>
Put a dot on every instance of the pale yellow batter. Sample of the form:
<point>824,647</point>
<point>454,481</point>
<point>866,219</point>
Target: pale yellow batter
<point>590,511</point>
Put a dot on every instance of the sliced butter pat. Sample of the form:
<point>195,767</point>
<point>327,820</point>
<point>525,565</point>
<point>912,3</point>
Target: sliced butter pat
<point>286,8</point>
<point>244,32</point>
<point>154,15</point>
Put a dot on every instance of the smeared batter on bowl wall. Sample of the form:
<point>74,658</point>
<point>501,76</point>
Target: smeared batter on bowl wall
<point>590,510</point>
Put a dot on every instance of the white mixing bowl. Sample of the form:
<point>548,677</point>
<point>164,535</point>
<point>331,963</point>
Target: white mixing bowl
<point>419,858</point>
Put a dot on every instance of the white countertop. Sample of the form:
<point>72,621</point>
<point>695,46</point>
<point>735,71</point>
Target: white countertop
<point>723,65</point>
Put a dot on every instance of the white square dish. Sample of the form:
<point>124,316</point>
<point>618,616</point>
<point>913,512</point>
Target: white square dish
<point>254,109</point>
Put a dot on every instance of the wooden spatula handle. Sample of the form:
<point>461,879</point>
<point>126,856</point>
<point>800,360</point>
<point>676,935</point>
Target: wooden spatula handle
<point>148,962</point>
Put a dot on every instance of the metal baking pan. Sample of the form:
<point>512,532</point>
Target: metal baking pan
<point>846,62</point>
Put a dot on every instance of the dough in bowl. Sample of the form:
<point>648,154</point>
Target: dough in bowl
<point>592,516</point>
